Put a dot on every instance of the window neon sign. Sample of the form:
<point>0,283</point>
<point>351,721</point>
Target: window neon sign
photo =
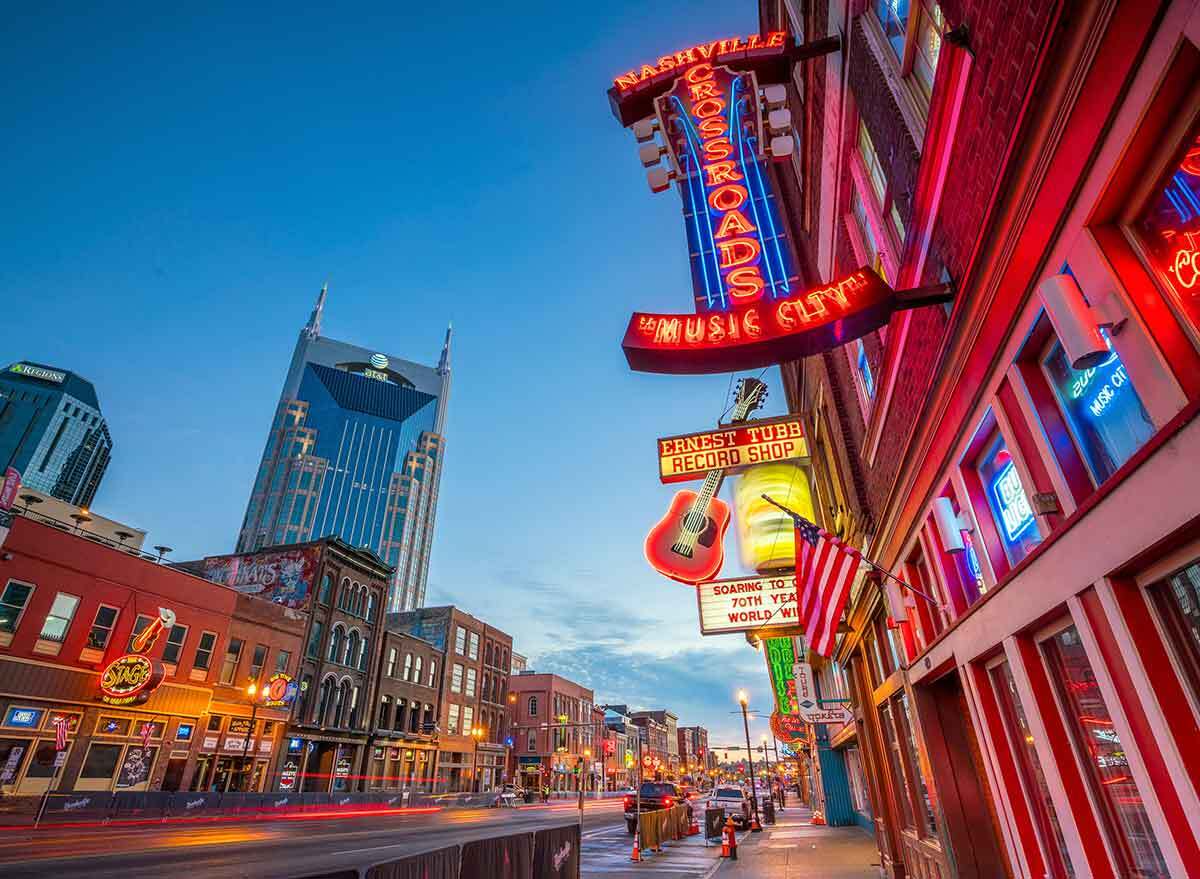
<point>1011,502</point>
<point>735,237</point>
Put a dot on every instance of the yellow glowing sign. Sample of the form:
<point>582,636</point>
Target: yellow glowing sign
<point>765,533</point>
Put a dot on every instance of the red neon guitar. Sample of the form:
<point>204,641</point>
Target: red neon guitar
<point>688,543</point>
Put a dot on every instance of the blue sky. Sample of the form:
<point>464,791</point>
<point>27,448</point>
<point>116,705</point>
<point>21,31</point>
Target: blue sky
<point>179,183</point>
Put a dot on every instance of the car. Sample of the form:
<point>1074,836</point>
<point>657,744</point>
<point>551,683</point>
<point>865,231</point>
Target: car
<point>735,803</point>
<point>650,797</point>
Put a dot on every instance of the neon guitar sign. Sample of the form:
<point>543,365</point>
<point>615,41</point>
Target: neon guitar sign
<point>688,543</point>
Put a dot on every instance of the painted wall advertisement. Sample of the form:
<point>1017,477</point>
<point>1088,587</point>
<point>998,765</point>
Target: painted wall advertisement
<point>285,576</point>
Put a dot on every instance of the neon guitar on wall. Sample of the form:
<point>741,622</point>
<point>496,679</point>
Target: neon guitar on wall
<point>688,543</point>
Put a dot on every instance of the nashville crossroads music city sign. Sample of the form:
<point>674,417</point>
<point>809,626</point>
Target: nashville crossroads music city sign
<point>691,456</point>
<point>742,604</point>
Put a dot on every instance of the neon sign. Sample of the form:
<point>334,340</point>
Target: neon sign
<point>735,238</point>
<point>1011,502</point>
<point>1170,226</point>
<point>780,661</point>
<point>762,333</point>
<point>130,679</point>
<point>691,456</point>
<point>716,50</point>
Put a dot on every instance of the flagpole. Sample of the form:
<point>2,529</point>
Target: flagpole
<point>797,519</point>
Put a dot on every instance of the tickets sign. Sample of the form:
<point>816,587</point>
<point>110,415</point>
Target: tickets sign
<point>742,604</point>
<point>691,456</point>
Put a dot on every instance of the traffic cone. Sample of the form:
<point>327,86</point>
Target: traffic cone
<point>818,818</point>
<point>755,827</point>
<point>637,852</point>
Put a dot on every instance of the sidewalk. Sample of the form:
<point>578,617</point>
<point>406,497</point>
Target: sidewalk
<point>794,849</point>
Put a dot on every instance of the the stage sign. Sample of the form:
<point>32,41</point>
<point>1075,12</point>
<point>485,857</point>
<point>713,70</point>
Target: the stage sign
<point>691,456</point>
<point>744,604</point>
<point>762,333</point>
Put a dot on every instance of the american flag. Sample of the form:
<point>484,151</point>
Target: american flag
<point>825,569</point>
<point>61,725</point>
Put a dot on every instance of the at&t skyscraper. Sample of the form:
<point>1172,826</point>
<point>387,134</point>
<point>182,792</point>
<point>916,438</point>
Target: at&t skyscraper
<point>355,450</point>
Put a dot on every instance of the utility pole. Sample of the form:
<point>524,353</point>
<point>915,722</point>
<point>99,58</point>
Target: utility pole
<point>744,700</point>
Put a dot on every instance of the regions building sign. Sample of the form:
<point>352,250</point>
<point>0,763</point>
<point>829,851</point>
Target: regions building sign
<point>283,576</point>
<point>688,457</point>
<point>38,372</point>
<point>745,604</point>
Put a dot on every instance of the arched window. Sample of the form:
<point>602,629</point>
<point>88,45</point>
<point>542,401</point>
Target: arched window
<point>371,608</point>
<point>326,699</point>
<point>326,589</point>
<point>342,706</point>
<point>344,593</point>
<point>365,656</point>
<point>385,713</point>
<point>531,741</point>
<point>337,643</point>
<point>504,661</point>
<point>408,666</point>
<point>417,670</point>
<point>353,646</point>
<point>357,607</point>
<point>306,697</point>
<point>533,706</point>
<point>487,653</point>
<point>432,673</point>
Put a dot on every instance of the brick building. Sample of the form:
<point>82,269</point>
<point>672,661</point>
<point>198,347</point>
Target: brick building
<point>473,720</point>
<point>404,740</point>
<point>693,750</point>
<point>72,609</point>
<point>1021,454</point>
<point>555,732</point>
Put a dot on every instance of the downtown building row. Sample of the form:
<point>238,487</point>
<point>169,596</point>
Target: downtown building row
<point>345,697</point>
<point>1023,455</point>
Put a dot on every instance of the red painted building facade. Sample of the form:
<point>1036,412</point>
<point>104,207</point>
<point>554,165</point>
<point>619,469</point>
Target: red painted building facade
<point>1026,455</point>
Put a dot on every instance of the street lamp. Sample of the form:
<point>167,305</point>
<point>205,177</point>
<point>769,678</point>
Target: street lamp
<point>767,758</point>
<point>476,734</point>
<point>744,700</point>
<point>251,692</point>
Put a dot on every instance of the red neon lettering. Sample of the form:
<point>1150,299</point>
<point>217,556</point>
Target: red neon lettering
<point>1186,268</point>
<point>729,197</point>
<point>714,126</point>
<point>722,172</point>
<point>693,330</point>
<point>745,283</point>
<point>750,322</point>
<point>738,252</point>
<point>687,56</point>
<point>753,41</point>
<point>716,328</point>
<point>707,51</point>
<point>699,73</point>
<point>734,223</point>
<point>665,63</point>
<point>648,72</point>
<point>626,81</point>
<point>708,107</point>
<point>717,148</point>
<point>775,39</point>
<point>706,89</point>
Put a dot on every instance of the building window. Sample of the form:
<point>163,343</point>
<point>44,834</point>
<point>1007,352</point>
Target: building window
<point>870,243</point>
<point>460,640</point>
<point>452,720</point>
<point>473,651</point>
<point>471,678</point>
<point>1103,757</point>
<point>456,678</point>
<point>862,367</point>
<point>531,741</point>
<point>353,647</point>
<point>870,159</point>
<point>1007,500</point>
<point>432,672</point>
<point>283,658</point>
<point>364,654</point>
<point>931,24</point>
<point>174,646</point>
<point>337,644</point>
<point>417,661</point>
<point>385,712</point>
<point>468,719</point>
<point>12,603</point>
<point>893,18</point>
<point>325,702</point>
<point>1169,228</point>
<point>533,706</point>
<point>391,662</point>
<point>1021,742</point>
<point>101,762</point>
<point>233,654</point>
<point>402,714</point>
<point>1102,408</point>
<point>102,626</point>
<point>62,611</point>
<point>139,626</point>
<point>257,661</point>
<point>326,588</point>
<point>315,637</point>
<point>204,651</point>
<point>1178,604</point>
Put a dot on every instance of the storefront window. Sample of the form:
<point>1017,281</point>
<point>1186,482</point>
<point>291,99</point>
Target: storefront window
<point>920,769</point>
<point>1007,500</point>
<point>1169,226</point>
<point>1104,411</point>
<point>1106,764</point>
<point>1034,781</point>
<point>101,761</point>
<point>1178,603</point>
<point>896,762</point>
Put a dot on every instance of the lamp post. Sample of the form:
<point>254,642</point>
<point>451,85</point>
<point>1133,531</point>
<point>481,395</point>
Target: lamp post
<point>767,758</point>
<point>251,692</point>
<point>744,700</point>
<point>476,734</point>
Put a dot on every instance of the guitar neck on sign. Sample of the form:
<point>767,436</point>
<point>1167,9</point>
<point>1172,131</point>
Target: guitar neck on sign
<point>687,544</point>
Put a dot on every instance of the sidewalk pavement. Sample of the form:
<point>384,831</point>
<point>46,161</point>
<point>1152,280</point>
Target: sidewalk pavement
<point>792,848</point>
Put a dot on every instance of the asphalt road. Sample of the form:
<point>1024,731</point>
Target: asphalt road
<point>271,849</point>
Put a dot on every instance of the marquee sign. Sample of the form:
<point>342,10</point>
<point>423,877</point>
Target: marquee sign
<point>744,604</point>
<point>762,332</point>
<point>691,456</point>
<point>130,679</point>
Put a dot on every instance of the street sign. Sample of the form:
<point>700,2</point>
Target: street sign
<point>811,708</point>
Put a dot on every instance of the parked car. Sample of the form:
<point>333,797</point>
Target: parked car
<point>654,795</point>
<point>735,803</point>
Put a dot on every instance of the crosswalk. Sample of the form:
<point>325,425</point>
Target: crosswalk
<point>606,853</point>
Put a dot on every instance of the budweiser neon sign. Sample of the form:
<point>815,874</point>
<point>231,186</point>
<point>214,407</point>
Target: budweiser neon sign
<point>762,333</point>
<point>717,50</point>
